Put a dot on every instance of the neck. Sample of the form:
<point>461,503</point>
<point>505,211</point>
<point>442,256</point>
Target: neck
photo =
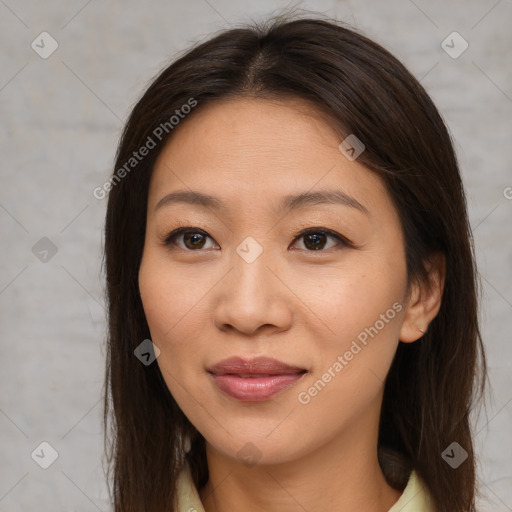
<point>343,475</point>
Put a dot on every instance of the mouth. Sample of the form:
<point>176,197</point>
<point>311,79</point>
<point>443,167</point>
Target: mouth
<point>256,375</point>
<point>254,380</point>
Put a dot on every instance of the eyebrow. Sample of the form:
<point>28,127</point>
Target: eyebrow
<point>288,203</point>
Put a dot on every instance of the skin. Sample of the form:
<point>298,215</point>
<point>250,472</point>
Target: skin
<point>301,306</point>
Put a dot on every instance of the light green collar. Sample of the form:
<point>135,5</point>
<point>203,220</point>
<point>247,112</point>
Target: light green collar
<point>415,497</point>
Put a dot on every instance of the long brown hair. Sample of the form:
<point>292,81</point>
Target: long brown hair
<point>362,89</point>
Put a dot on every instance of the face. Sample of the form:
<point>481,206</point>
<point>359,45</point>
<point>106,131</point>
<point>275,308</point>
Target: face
<point>262,271</point>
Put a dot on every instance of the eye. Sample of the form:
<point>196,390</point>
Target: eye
<point>192,238</point>
<point>314,239</point>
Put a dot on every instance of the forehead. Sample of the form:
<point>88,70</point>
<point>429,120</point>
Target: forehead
<point>252,151</point>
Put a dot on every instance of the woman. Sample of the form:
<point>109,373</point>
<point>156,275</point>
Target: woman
<point>291,285</point>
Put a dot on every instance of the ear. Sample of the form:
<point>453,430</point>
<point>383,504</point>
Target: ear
<point>424,300</point>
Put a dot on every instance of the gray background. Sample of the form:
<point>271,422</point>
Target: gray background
<point>61,120</point>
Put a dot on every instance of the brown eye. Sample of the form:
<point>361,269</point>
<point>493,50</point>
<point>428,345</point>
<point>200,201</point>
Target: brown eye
<point>191,239</point>
<point>194,240</point>
<point>317,239</point>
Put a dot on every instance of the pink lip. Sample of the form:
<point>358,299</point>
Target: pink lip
<point>254,380</point>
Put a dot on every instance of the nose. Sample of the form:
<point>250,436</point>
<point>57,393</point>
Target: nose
<point>251,298</point>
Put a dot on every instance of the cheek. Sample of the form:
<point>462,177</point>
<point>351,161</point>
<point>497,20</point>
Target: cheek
<point>173,309</point>
<point>350,301</point>
<point>168,297</point>
<point>363,310</point>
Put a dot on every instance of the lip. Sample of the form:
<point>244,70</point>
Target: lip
<point>254,380</point>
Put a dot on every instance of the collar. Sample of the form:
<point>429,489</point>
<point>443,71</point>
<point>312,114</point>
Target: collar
<point>414,498</point>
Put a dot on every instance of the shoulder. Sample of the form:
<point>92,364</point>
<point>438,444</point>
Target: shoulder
<point>188,499</point>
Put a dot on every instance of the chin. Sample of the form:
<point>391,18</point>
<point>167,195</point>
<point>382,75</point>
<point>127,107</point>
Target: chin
<point>252,450</point>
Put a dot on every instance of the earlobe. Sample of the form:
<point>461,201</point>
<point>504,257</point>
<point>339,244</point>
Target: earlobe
<point>424,300</point>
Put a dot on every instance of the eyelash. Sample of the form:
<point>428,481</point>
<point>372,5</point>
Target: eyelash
<point>342,241</point>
